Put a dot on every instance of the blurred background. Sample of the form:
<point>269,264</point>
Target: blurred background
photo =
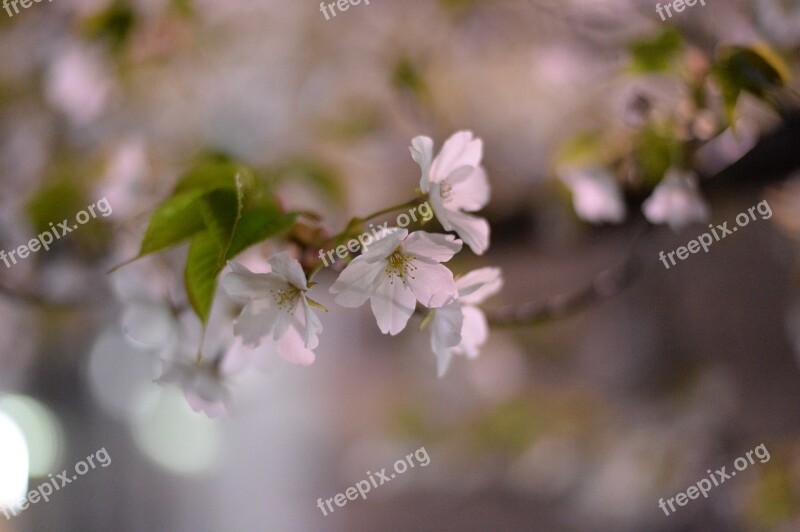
<point>581,423</point>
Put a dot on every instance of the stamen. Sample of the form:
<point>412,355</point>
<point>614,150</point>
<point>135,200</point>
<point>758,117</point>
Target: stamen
<point>286,299</point>
<point>398,264</point>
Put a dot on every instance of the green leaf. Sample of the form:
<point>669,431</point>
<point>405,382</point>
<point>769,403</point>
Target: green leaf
<point>656,54</point>
<point>581,149</point>
<point>197,199</point>
<point>657,149</point>
<point>208,253</point>
<point>115,24</point>
<point>258,225</point>
<point>758,70</point>
<point>214,172</point>
<point>407,77</point>
<point>223,209</point>
<point>57,200</point>
<point>200,275</point>
<point>174,221</point>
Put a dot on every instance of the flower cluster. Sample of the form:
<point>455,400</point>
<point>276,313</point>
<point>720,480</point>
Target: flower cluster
<point>400,274</point>
<point>598,198</point>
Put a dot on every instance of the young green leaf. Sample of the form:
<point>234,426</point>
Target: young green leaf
<point>656,54</point>
<point>757,70</point>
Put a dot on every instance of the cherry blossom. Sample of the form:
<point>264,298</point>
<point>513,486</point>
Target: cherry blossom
<point>676,201</point>
<point>396,272</point>
<point>595,195</point>
<point>456,184</point>
<point>276,308</point>
<point>460,327</point>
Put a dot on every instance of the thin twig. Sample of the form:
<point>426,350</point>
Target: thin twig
<point>605,285</point>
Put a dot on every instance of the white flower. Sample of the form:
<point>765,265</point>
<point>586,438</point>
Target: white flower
<point>395,273</point>
<point>595,195</point>
<point>676,201</point>
<point>456,184</point>
<point>277,309</point>
<point>79,84</point>
<point>460,327</point>
<point>202,382</point>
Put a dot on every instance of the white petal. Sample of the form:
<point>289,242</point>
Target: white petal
<point>437,204</point>
<point>284,265</point>
<point>422,152</point>
<point>291,347</point>
<point>198,404</point>
<point>596,196</point>
<point>283,321</point>
<point>676,201</point>
<point>148,323</point>
<point>470,190</point>
<point>474,332</point>
<point>446,326</point>
<point>443,358</point>
<point>256,321</point>
<point>478,285</point>
<point>473,230</point>
<point>312,326</point>
<point>393,303</point>
<point>243,285</point>
<point>385,245</point>
<point>462,149</point>
<point>357,283</point>
<point>432,283</point>
<point>438,247</point>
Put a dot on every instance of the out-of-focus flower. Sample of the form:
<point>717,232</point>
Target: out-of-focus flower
<point>395,273</point>
<point>676,201</point>
<point>202,382</point>
<point>174,338</point>
<point>78,84</point>
<point>456,184</point>
<point>277,308</point>
<point>460,327</point>
<point>595,194</point>
<point>126,171</point>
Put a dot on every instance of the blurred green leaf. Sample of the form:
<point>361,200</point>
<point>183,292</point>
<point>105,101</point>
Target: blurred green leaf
<point>115,24</point>
<point>757,70</point>
<point>406,76</point>
<point>582,149</point>
<point>656,54</point>
<point>657,149</point>
<point>511,427</point>
<point>56,201</point>
<point>776,498</point>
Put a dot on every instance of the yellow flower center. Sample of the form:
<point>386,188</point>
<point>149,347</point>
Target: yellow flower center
<point>398,264</point>
<point>287,298</point>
